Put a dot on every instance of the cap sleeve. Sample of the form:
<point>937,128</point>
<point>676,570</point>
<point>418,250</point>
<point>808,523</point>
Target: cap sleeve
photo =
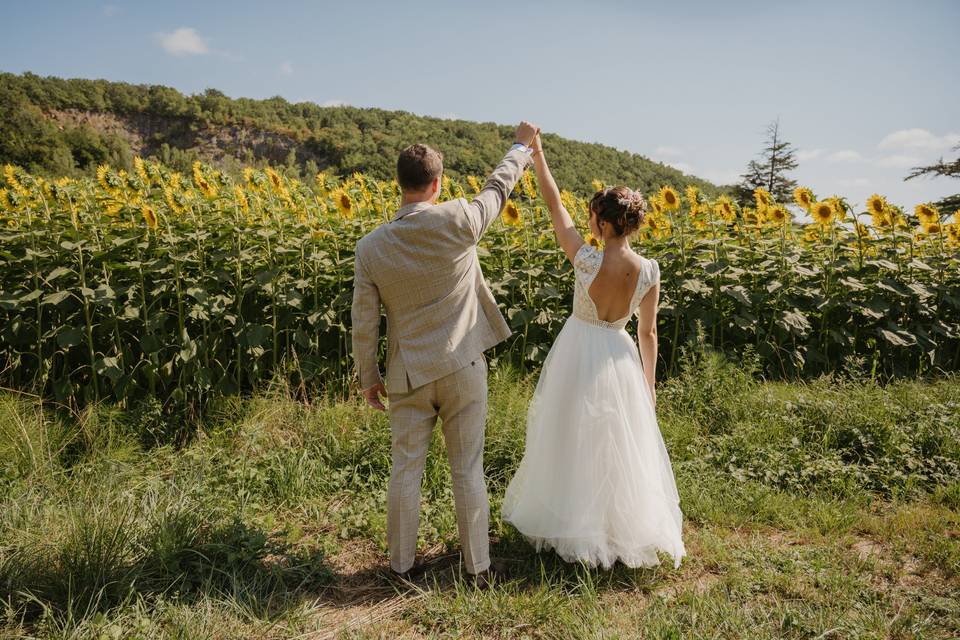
<point>651,276</point>
<point>587,260</point>
<point>654,272</point>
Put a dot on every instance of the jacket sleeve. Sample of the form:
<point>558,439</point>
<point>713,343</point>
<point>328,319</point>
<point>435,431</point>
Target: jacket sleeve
<point>365,320</point>
<point>486,206</point>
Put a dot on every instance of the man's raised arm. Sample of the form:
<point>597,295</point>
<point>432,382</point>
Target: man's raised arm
<point>488,204</point>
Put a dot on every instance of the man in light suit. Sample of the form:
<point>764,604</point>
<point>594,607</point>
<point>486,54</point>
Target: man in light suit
<point>422,267</point>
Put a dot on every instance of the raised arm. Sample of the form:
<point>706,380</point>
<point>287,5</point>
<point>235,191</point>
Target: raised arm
<point>568,237</point>
<point>488,204</point>
<point>647,337</point>
<point>365,321</point>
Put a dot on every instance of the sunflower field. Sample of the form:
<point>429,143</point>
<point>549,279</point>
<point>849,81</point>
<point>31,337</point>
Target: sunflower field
<point>152,284</point>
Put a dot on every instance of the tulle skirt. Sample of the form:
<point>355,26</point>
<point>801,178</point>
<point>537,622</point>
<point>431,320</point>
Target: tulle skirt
<point>595,483</point>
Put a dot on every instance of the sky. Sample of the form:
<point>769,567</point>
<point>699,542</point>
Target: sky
<point>863,90</point>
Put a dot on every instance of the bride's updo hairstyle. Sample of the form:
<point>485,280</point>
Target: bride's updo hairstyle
<point>622,207</point>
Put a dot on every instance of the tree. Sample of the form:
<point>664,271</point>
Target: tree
<point>776,159</point>
<point>941,169</point>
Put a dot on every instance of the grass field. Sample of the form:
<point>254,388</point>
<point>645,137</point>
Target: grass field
<point>827,509</point>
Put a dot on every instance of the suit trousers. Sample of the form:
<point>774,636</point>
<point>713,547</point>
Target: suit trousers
<point>460,401</point>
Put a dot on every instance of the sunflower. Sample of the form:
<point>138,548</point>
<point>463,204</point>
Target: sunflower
<point>669,198</point>
<point>592,241</point>
<point>141,169</point>
<point>931,228</point>
<point>693,195</point>
<point>241,198</point>
<point>149,216</point>
<point>876,204</point>
<point>839,207</point>
<point>953,233</point>
<point>103,172</point>
<point>276,182</point>
<point>812,233</point>
<point>655,205</point>
<point>207,188</point>
<point>511,214</point>
<point>927,213</point>
<point>861,230</point>
<point>569,202</point>
<point>597,185</point>
<point>10,173</point>
<point>803,197</point>
<point>762,197</point>
<point>321,180</point>
<point>175,200</point>
<point>343,202</point>
<point>529,188</point>
<point>474,183</point>
<point>778,215</point>
<point>882,219</point>
<point>725,210</point>
<point>249,177</point>
<point>956,216</point>
<point>822,212</point>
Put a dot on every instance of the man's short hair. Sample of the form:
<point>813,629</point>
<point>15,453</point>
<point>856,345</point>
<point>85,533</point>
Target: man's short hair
<point>418,166</point>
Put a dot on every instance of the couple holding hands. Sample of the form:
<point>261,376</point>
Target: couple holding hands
<point>595,483</point>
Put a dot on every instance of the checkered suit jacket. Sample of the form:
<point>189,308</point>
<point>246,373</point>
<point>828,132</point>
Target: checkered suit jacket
<point>423,268</point>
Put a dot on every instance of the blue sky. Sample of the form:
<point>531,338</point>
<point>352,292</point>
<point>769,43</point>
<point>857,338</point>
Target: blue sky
<point>863,89</point>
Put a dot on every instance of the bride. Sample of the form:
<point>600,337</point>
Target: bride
<point>595,483</point>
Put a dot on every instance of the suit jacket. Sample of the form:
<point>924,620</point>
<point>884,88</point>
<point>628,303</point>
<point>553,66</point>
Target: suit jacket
<point>422,267</point>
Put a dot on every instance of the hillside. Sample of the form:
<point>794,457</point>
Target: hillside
<point>67,127</point>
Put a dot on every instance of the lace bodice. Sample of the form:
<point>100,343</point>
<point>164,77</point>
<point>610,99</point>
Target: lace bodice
<point>586,264</point>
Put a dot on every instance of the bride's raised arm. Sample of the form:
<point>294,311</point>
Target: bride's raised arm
<point>567,235</point>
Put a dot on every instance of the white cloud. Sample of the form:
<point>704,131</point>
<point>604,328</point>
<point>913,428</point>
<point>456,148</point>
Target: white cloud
<point>847,155</point>
<point>899,161</point>
<point>666,150</point>
<point>110,10</point>
<point>184,41</point>
<point>680,166</point>
<point>449,116</point>
<point>809,154</point>
<point>919,140</point>
<point>335,103</point>
<point>286,68</point>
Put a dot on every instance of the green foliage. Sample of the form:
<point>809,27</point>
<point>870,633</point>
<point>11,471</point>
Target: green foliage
<point>148,289</point>
<point>177,129</point>
<point>271,520</point>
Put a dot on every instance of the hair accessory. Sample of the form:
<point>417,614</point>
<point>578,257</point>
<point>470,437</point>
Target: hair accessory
<point>635,199</point>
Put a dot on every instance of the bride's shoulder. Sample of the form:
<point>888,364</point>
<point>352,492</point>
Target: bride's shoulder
<point>587,257</point>
<point>649,267</point>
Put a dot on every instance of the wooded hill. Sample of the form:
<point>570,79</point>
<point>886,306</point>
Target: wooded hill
<point>61,127</point>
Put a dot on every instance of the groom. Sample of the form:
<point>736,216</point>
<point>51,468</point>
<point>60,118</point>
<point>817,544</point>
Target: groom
<point>441,316</point>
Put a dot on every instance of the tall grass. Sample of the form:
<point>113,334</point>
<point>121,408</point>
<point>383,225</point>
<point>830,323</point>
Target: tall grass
<point>245,529</point>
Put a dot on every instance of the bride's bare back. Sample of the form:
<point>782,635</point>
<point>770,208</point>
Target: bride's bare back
<point>613,287</point>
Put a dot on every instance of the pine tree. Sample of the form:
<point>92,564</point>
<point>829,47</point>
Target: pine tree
<point>941,169</point>
<point>776,159</point>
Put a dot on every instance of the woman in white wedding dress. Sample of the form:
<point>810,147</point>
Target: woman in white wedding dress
<point>595,483</point>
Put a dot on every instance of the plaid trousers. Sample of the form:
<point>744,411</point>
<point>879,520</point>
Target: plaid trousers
<point>460,401</point>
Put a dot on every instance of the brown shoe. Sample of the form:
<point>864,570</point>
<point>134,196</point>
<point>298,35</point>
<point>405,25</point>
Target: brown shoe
<point>495,574</point>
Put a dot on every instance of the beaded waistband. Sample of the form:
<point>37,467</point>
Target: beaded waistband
<point>603,324</point>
